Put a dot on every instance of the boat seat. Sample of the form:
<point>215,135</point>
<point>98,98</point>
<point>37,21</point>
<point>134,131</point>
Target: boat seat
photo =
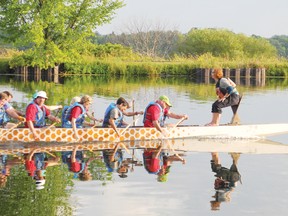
<point>235,119</point>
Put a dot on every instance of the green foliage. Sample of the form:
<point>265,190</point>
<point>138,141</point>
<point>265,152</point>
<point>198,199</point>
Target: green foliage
<point>113,50</point>
<point>54,31</point>
<point>281,44</point>
<point>224,43</point>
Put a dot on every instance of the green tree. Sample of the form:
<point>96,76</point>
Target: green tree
<point>54,31</point>
<point>281,44</point>
<point>224,43</point>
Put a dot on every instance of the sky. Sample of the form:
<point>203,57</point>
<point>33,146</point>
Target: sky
<point>259,17</point>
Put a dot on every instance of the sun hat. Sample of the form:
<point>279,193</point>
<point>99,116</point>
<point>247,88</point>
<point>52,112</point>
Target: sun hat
<point>165,99</point>
<point>40,94</point>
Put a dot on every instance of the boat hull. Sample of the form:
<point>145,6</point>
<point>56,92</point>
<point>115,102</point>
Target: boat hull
<point>142,133</point>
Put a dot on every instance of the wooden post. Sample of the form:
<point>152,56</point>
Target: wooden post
<point>49,74</point>
<point>263,77</point>
<point>37,74</point>
<point>237,76</point>
<point>227,72</point>
<point>258,77</point>
<point>56,74</point>
<point>207,75</point>
<point>247,76</point>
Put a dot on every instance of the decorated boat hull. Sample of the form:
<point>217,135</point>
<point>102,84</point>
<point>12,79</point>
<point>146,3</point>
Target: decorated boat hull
<point>65,135</point>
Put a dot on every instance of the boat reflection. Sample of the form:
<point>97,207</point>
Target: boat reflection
<point>52,167</point>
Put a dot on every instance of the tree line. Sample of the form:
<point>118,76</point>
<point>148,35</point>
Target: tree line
<point>49,33</point>
<point>218,42</point>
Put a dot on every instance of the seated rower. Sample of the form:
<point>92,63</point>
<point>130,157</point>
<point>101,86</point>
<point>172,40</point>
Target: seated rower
<point>74,115</point>
<point>36,113</point>
<point>157,111</point>
<point>9,106</point>
<point>50,107</point>
<point>6,112</point>
<point>114,114</point>
<point>77,99</point>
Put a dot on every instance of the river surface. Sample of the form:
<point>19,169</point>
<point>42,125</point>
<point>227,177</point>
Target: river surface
<point>188,188</point>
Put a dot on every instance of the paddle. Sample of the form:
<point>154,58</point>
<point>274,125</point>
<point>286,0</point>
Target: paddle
<point>48,128</point>
<point>15,126</point>
<point>133,110</point>
<point>122,132</point>
<point>235,118</point>
<point>179,122</point>
<point>50,154</point>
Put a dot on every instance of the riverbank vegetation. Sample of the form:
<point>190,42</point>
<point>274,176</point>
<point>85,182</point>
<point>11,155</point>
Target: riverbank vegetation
<point>46,41</point>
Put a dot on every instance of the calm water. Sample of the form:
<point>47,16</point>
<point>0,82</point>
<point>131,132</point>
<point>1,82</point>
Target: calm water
<point>189,189</point>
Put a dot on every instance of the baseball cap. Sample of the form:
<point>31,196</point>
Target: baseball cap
<point>165,99</point>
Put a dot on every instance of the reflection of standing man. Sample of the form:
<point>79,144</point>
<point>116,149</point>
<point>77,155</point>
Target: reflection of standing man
<point>226,179</point>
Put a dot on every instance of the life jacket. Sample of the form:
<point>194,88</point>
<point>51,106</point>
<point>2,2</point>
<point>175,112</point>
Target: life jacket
<point>3,116</point>
<point>161,117</point>
<point>118,121</point>
<point>230,89</point>
<point>40,116</point>
<point>66,114</point>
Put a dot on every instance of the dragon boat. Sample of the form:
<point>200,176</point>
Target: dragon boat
<point>98,134</point>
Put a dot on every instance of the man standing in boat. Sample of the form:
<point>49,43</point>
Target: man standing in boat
<point>36,113</point>
<point>156,113</point>
<point>227,96</point>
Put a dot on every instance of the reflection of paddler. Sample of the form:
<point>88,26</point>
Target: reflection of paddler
<point>152,160</point>
<point>166,166</point>
<point>5,166</point>
<point>113,158</point>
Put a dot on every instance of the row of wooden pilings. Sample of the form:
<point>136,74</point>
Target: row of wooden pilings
<point>50,74</point>
<point>246,76</point>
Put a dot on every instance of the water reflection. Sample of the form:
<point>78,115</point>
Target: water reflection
<point>226,179</point>
<point>45,168</point>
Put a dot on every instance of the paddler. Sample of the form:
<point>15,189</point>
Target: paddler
<point>7,111</point>
<point>36,113</point>
<point>74,116</point>
<point>157,111</point>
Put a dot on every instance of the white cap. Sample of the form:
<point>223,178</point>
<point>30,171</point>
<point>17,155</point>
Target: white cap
<point>40,184</point>
<point>40,94</point>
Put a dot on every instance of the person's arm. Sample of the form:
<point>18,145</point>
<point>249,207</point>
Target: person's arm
<point>53,118</point>
<point>133,113</point>
<point>113,125</point>
<point>54,107</point>
<point>73,123</point>
<point>32,129</point>
<point>31,154</point>
<point>73,156</point>
<point>177,116</point>
<point>157,126</point>
<point>91,116</point>
<point>11,112</point>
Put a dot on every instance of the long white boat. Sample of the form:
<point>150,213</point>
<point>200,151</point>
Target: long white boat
<point>141,133</point>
